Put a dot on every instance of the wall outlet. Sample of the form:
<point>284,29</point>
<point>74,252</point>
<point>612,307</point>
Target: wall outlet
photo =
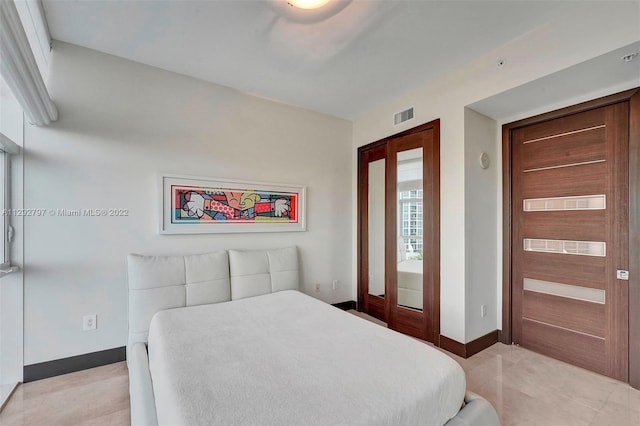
<point>335,284</point>
<point>483,311</point>
<point>89,322</point>
<point>317,287</point>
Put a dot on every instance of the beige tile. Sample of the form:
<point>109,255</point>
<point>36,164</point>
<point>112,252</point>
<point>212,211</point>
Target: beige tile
<point>489,371</point>
<point>72,380</point>
<point>96,395</point>
<point>627,396</point>
<point>518,408</point>
<point>616,414</point>
<point>544,376</point>
<point>622,408</point>
<point>487,361</point>
<point>118,418</point>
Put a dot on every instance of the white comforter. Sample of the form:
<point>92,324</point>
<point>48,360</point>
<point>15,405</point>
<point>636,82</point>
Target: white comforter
<point>287,358</point>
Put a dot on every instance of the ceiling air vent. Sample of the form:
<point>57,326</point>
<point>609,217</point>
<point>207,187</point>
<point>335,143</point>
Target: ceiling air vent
<point>402,116</point>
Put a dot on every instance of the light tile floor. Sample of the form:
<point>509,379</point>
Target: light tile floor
<point>99,396</point>
<point>526,388</point>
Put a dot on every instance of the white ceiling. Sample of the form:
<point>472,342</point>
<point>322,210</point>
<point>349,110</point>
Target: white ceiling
<point>596,77</point>
<point>343,60</point>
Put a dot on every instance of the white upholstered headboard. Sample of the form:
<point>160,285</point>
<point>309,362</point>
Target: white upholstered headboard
<point>164,282</point>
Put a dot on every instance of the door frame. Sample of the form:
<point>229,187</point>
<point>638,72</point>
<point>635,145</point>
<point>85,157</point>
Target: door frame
<point>633,97</point>
<point>434,245</point>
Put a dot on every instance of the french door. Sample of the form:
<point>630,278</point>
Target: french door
<point>398,231</point>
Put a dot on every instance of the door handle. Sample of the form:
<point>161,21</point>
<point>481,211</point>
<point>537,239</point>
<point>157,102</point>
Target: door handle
<point>621,274</point>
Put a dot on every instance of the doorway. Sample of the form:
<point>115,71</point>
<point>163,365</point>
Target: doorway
<point>399,231</point>
<point>570,236</point>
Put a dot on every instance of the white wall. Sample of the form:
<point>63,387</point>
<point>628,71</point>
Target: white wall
<point>481,223</point>
<point>121,123</point>
<point>587,30</point>
<point>11,286</point>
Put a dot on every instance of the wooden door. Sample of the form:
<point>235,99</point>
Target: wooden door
<point>372,171</point>
<point>570,238</point>
<point>398,231</point>
<point>412,211</point>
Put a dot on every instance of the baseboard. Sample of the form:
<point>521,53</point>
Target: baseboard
<point>453,346</point>
<point>465,350</point>
<point>345,306</point>
<point>58,367</point>
<point>482,343</point>
<point>503,338</point>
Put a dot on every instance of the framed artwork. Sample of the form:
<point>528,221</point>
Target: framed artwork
<point>201,205</point>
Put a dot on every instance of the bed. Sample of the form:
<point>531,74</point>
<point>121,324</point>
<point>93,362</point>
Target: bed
<point>410,283</point>
<point>226,338</point>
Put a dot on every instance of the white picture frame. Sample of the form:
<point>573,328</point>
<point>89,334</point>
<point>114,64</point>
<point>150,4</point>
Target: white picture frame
<point>206,205</point>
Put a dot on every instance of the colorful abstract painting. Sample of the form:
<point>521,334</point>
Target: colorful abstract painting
<point>222,205</point>
<point>197,205</point>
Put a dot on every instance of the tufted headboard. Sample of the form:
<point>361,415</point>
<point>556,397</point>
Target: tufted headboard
<point>164,282</point>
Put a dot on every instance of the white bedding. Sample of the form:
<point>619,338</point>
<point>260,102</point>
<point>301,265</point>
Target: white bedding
<point>286,358</point>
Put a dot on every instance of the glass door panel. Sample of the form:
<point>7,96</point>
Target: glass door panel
<point>410,225</point>
<point>376,231</point>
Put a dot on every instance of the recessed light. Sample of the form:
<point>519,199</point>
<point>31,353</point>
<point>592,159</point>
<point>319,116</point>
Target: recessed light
<point>629,58</point>
<point>308,4</point>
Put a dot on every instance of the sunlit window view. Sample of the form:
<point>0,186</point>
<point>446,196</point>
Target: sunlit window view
<point>412,220</point>
<point>410,229</point>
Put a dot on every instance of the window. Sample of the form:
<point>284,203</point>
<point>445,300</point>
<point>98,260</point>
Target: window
<point>4,181</point>
<point>411,209</point>
<point>6,212</point>
<point>11,128</point>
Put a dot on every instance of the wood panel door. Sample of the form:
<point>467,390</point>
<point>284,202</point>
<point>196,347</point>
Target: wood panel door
<point>570,238</point>
<point>412,232</point>
<point>372,188</point>
<point>398,231</point>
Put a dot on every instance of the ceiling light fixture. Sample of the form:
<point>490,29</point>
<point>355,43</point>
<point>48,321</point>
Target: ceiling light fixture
<point>629,58</point>
<point>308,4</point>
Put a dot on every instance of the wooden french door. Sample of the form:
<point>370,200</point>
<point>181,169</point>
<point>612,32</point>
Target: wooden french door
<point>570,238</point>
<point>398,231</point>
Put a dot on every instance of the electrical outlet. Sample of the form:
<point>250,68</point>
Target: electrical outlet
<point>89,322</point>
<point>335,284</point>
<point>318,288</point>
<point>483,311</point>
